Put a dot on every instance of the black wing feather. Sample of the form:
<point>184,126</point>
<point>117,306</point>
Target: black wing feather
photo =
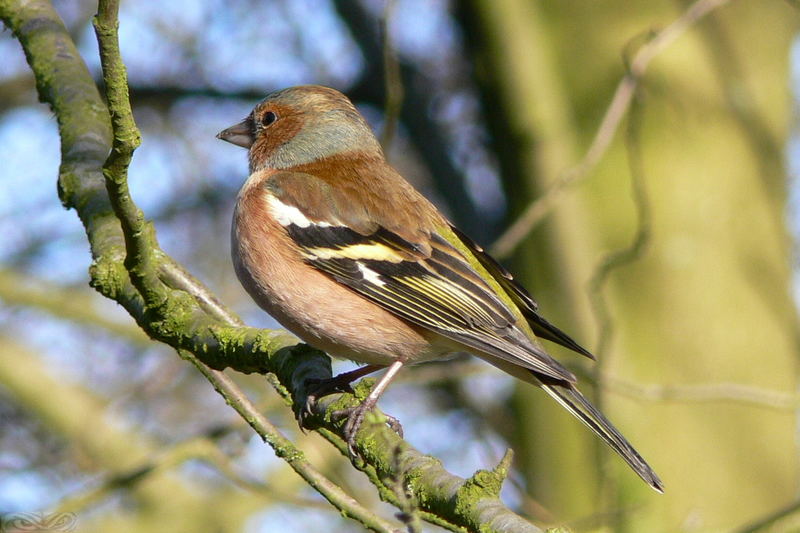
<point>525,302</point>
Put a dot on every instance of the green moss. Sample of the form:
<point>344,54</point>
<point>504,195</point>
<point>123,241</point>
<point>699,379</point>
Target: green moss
<point>172,317</point>
<point>227,337</point>
<point>289,453</point>
<point>363,388</point>
<point>484,484</point>
<point>68,185</point>
<point>269,342</point>
<point>490,482</point>
<point>108,276</point>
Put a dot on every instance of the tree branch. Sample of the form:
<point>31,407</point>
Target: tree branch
<point>140,242</point>
<point>176,309</point>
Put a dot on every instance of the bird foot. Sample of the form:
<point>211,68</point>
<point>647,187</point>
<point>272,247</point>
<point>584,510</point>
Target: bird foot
<point>319,388</point>
<point>355,417</point>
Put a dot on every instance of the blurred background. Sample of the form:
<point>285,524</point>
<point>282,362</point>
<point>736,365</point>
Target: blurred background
<point>671,255</point>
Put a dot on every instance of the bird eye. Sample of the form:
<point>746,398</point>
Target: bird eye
<point>268,118</point>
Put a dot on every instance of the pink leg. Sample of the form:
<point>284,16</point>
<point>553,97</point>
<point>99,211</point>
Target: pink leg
<point>355,415</point>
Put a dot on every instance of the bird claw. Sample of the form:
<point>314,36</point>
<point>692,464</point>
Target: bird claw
<point>355,417</point>
<point>394,425</point>
<point>317,389</point>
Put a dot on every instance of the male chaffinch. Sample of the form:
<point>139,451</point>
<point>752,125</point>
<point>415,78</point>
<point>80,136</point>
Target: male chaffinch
<point>331,241</point>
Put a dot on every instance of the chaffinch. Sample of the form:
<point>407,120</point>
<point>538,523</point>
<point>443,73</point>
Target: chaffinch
<point>331,241</point>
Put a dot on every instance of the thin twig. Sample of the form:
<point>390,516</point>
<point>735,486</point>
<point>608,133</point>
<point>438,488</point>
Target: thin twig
<point>720,392</point>
<point>618,258</point>
<point>286,450</point>
<point>200,448</point>
<point>726,392</point>
<point>175,276</point>
<point>393,82</point>
<point>706,393</point>
<point>612,261</point>
<point>620,102</point>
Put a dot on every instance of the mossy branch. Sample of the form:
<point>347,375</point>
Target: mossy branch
<point>140,239</point>
<point>97,143</point>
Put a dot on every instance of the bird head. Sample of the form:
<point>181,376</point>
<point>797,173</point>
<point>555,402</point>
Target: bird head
<point>300,125</point>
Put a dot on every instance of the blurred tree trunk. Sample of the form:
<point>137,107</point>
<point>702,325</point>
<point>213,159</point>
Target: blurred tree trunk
<point>709,301</point>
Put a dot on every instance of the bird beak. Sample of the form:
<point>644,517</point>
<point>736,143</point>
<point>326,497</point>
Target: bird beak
<point>240,134</point>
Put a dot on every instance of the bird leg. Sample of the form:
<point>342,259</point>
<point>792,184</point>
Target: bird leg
<point>319,388</point>
<point>355,415</point>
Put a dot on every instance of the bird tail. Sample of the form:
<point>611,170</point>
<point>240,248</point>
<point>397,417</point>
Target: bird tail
<point>576,403</point>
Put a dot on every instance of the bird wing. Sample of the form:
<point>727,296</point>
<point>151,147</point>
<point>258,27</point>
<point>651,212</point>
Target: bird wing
<point>430,284</point>
<point>523,300</point>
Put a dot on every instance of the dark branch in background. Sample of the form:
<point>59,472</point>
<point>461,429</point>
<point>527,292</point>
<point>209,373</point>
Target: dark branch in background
<point>174,308</point>
<point>392,79</point>
<point>425,134</point>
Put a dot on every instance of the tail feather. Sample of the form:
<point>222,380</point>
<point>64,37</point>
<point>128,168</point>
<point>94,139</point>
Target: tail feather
<point>576,403</point>
<point>545,330</point>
